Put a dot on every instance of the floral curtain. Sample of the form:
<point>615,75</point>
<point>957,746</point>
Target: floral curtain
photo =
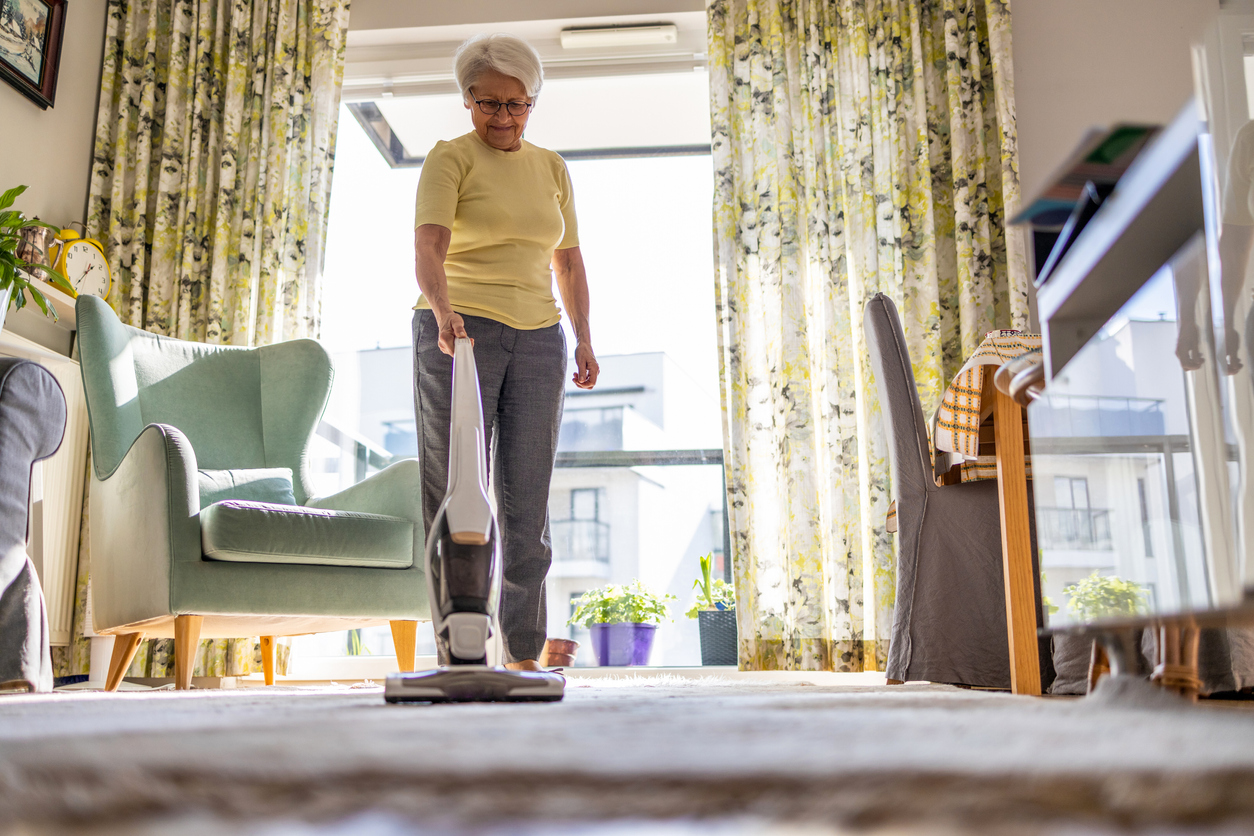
<point>211,179</point>
<point>859,146</point>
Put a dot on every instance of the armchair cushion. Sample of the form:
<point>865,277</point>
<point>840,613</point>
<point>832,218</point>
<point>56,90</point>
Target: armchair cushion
<point>241,531</point>
<point>258,484</point>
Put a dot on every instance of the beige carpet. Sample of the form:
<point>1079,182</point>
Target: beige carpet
<point>651,755</point>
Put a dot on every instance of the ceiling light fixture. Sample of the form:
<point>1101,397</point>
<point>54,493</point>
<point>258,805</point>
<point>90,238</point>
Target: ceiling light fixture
<point>650,34</point>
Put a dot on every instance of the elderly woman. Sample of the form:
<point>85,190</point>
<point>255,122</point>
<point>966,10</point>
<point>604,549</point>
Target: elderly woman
<point>495,214</point>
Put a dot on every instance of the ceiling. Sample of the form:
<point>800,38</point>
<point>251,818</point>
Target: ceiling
<point>419,61</point>
<point>605,101</point>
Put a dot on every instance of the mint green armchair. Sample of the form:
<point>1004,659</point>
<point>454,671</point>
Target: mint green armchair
<point>202,523</point>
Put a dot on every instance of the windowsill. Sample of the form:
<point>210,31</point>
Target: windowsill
<point>325,670</point>
<point>342,668</point>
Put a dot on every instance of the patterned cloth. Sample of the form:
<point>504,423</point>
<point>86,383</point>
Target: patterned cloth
<point>858,147</point>
<point>956,424</point>
<point>210,186</point>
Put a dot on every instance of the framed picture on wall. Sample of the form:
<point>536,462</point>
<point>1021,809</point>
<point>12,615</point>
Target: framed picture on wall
<point>30,46</point>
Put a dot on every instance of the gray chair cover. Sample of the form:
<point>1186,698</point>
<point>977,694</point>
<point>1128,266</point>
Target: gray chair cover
<point>32,422</point>
<point>1225,659</point>
<point>949,621</point>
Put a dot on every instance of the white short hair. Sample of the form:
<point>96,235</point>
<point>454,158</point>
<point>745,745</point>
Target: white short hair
<point>506,54</point>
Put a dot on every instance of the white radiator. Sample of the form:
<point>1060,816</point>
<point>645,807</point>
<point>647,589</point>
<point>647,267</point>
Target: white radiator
<point>57,491</point>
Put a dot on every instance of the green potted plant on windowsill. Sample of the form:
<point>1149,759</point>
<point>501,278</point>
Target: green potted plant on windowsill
<point>15,250</point>
<point>622,621</point>
<point>715,611</point>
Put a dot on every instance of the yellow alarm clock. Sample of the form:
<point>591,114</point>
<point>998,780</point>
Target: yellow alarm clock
<point>82,261</point>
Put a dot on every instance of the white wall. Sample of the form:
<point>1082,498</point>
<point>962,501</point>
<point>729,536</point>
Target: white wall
<point>389,14</point>
<point>1080,63</point>
<point>50,150</point>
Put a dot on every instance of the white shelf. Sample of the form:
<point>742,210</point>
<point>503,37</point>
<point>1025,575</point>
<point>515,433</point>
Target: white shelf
<point>59,299</point>
<point>15,345</point>
<point>1154,210</point>
<point>30,322</point>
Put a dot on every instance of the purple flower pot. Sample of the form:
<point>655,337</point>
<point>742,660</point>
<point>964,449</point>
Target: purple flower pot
<point>622,644</point>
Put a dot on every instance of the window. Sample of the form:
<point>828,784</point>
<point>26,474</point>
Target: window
<point>1071,492</point>
<point>584,504</point>
<point>584,656</point>
<point>638,492</point>
<point>1145,517</point>
<point>717,521</point>
<point>1071,524</point>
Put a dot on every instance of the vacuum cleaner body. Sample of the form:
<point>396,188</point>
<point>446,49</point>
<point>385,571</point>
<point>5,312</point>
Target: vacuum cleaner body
<point>463,565</point>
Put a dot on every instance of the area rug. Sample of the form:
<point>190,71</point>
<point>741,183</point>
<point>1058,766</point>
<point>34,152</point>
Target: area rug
<point>653,754</point>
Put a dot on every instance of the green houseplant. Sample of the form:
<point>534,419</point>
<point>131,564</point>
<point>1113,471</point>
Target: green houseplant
<point>1105,596</point>
<point>621,620</point>
<point>14,269</point>
<point>715,611</point>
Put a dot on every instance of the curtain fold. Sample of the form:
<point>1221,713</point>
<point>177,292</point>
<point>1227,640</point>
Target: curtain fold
<point>215,142</point>
<point>859,147</point>
<point>210,188</point>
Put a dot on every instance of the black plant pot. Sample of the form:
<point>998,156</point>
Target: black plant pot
<point>718,636</point>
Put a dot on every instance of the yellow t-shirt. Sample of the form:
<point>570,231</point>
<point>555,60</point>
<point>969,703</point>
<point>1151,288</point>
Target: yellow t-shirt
<point>508,211</point>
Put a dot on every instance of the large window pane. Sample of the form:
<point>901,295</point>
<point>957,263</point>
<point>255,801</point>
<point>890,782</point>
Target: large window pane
<point>645,234</point>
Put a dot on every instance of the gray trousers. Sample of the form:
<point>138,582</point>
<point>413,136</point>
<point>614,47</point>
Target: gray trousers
<point>521,379</point>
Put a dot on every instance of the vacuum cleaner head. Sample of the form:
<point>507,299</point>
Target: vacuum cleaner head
<point>474,683</point>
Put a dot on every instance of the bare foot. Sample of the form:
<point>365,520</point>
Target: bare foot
<point>524,665</point>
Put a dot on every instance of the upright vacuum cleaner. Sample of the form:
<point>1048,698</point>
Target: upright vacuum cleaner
<point>463,562</point>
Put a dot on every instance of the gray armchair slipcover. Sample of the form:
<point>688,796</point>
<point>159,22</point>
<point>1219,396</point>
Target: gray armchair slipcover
<point>202,519</point>
<point>949,622</point>
<point>32,422</point>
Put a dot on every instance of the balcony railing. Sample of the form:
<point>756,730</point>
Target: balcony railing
<point>582,540</point>
<point>1074,528</point>
<point>643,458</point>
<point>1068,416</point>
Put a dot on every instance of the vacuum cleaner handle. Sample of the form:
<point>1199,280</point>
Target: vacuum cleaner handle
<point>468,512</point>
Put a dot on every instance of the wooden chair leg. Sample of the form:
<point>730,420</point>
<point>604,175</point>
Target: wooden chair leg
<point>1190,639</point>
<point>1166,654</point>
<point>1177,669</point>
<point>405,637</point>
<point>186,640</point>
<point>1099,665</point>
<point>124,648</point>
<point>267,658</point>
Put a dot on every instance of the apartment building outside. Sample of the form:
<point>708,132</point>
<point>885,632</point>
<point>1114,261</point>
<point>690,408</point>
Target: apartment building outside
<point>610,523</point>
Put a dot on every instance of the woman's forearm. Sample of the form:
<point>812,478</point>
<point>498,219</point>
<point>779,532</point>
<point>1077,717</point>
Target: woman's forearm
<point>572,284</point>
<point>430,249</point>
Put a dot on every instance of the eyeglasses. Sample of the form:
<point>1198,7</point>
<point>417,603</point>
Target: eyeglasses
<point>490,107</point>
